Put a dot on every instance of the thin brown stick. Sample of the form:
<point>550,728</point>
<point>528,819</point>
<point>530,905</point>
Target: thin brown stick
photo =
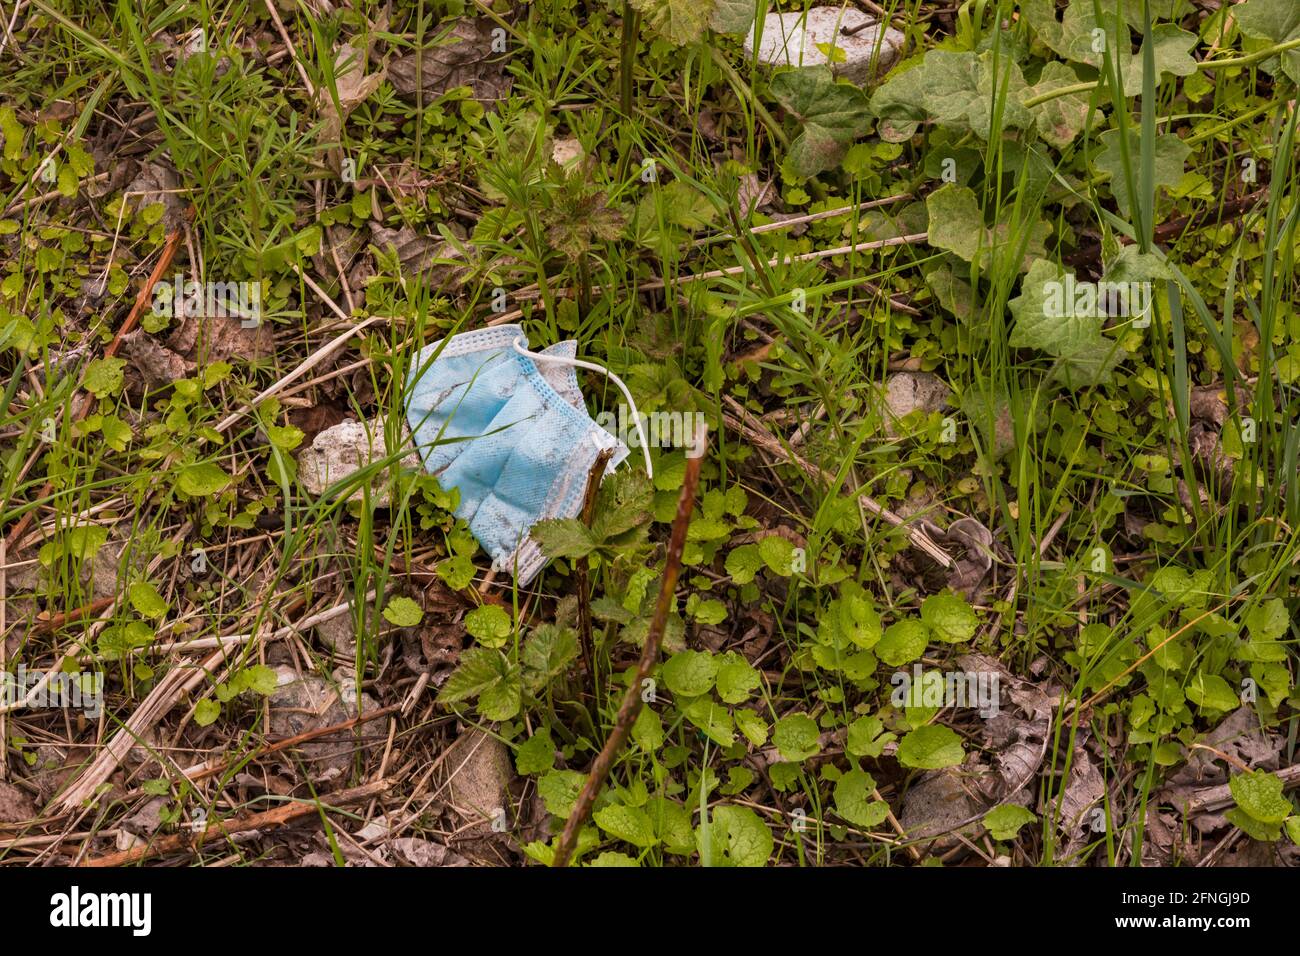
<point>47,621</point>
<point>276,746</point>
<point>631,706</point>
<point>144,298</point>
<point>179,842</point>
<point>581,569</point>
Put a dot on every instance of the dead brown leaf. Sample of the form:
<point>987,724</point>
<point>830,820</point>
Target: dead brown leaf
<point>462,57</point>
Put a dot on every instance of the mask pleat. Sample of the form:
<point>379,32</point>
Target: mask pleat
<point>457,399</point>
<point>528,440</point>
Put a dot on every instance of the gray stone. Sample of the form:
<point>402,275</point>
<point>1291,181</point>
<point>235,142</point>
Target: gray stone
<point>906,392</point>
<point>479,772</point>
<point>300,704</point>
<point>346,448</point>
<point>791,39</point>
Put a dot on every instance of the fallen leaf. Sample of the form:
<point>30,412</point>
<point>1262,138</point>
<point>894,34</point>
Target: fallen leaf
<point>462,57</point>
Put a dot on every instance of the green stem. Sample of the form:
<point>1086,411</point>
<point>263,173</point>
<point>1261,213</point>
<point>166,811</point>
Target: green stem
<point>1247,60</point>
<point>627,54</point>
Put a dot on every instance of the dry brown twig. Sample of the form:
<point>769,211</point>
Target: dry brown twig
<point>581,567</point>
<point>632,701</point>
<point>180,842</point>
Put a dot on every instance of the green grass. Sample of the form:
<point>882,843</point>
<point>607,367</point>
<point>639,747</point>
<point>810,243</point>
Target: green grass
<point>699,309</point>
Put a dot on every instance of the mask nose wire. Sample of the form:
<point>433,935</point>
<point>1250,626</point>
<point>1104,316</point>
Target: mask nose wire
<point>592,366</point>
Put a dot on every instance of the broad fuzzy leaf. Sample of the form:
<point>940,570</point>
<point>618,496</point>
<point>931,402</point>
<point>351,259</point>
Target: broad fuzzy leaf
<point>961,90</point>
<point>1170,155</point>
<point>832,115</point>
<point>679,21</point>
<point>1276,21</point>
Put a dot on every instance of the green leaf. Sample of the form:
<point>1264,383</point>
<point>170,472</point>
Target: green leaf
<point>959,90</point>
<point>1276,21</point>
<point>104,377</point>
<point>867,737</point>
<point>1079,36</point>
<point>1210,692</point>
<point>547,654</point>
<point>648,730</point>
<point>1045,320</point>
<point>678,21</point>
<point>1170,155</point>
<point>713,719</point>
<point>778,554</point>
<point>484,673</point>
<point>1268,620</point>
<point>202,480</point>
<point>743,563</point>
<point>564,538</point>
<point>690,673</point>
<point>1259,794</point>
<point>1293,829</point>
<point>1255,829</point>
<point>206,712</point>
<point>489,625</point>
<point>903,642</point>
<point>1060,120</point>
<point>78,544</point>
<point>502,700</point>
<point>732,16</point>
<point>672,825</point>
<point>683,206</point>
<point>559,790</point>
<point>736,679</point>
<point>12,131</point>
<point>796,737</point>
<point>284,437</point>
<point>146,599</point>
<point>956,224</point>
<point>629,824</point>
<point>752,726</point>
<point>626,499</point>
<point>116,432</point>
<point>261,679</point>
<point>931,747</point>
<point>739,837</point>
<point>832,115</point>
<point>1005,821</point>
<point>949,618</point>
<point>855,800</point>
<point>403,612</point>
<point>708,612</point>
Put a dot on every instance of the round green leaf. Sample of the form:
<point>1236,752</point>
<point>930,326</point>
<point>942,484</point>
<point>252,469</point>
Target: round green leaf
<point>403,612</point>
<point>488,624</point>
<point>690,673</point>
<point>1004,822</point>
<point>932,747</point>
<point>795,736</point>
<point>903,642</point>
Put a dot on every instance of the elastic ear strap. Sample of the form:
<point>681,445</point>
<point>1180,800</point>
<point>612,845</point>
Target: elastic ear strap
<point>592,366</point>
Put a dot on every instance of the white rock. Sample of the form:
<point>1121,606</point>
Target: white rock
<point>791,39</point>
<point>906,392</point>
<point>346,448</point>
<point>568,152</point>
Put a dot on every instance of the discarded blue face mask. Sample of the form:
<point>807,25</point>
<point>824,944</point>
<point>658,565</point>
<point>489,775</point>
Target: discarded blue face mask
<point>509,429</point>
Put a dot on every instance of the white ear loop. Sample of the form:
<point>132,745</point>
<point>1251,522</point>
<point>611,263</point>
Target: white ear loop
<point>592,366</point>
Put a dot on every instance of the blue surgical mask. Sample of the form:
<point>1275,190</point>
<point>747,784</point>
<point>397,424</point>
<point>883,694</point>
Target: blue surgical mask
<point>509,429</point>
